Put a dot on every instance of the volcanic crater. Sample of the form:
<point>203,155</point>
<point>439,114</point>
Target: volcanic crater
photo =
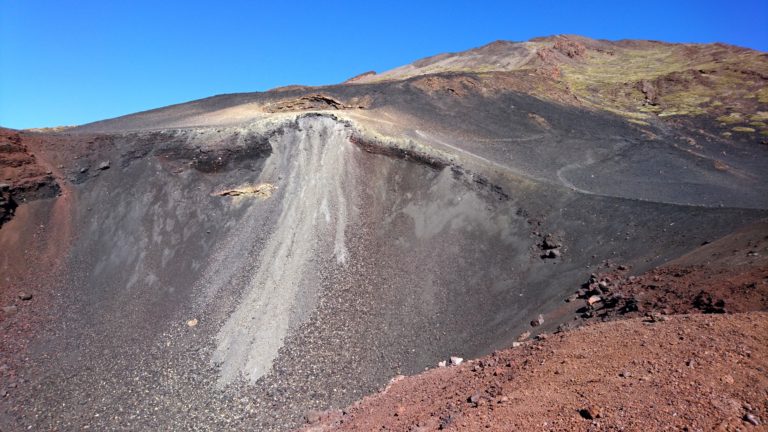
<point>240,261</point>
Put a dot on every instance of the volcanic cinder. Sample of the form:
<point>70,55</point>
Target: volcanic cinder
<point>235,262</point>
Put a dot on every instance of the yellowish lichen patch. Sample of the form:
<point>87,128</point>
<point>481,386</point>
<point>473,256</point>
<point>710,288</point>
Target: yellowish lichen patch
<point>762,95</point>
<point>733,117</point>
<point>743,129</point>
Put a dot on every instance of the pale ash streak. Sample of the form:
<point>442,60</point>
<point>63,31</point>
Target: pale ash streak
<point>315,165</point>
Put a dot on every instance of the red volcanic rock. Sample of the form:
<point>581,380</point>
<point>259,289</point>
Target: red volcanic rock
<point>22,176</point>
<point>570,48</point>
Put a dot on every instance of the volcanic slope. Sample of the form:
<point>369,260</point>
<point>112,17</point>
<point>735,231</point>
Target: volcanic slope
<point>238,261</point>
<point>674,360</point>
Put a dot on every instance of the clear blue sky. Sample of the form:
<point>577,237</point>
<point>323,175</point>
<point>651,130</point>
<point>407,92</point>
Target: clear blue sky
<point>65,62</point>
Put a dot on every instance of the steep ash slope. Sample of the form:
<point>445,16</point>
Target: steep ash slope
<point>237,261</point>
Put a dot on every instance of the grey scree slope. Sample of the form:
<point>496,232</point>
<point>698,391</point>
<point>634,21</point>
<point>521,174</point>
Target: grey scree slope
<point>314,193</point>
<point>359,267</point>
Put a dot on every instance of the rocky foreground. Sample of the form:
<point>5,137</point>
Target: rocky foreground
<point>686,372</point>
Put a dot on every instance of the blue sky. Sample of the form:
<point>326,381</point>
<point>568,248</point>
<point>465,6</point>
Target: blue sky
<point>72,62</point>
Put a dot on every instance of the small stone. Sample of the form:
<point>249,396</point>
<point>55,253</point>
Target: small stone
<point>313,416</point>
<point>516,344</point>
<point>25,296</point>
<point>192,322</point>
<point>474,398</point>
<point>625,374</point>
<point>83,170</point>
<point>538,321</point>
<point>656,317</point>
<point>603,285</point>
<point>591,413</point>
<point>502,399</point>
<point>103,165</point>
<point>455,361</point>
<point>523,336</point>
<point>750,418</point>
<point>442,363</point>
<point>594,299</point>
<point>727,379</point>
<point>9,310</point>
<point>622,267</point>
<point>572,298</point>
<point>550,243</point>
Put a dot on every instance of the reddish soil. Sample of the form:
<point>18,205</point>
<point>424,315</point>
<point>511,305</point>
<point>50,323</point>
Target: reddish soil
<point>691,372</point>
<point>26,292</point>
<point>676,359</point>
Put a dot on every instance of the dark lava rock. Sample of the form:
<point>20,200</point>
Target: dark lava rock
<point>630,305</point>
<point>706,304</point>
<point>604,287</point>
<point>538,321</point>
<point>7,204</point>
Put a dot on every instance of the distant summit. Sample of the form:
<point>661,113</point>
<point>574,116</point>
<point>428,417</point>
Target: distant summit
<point>635,78</point>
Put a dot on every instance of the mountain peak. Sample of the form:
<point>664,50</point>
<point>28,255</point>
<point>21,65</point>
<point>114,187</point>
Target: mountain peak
<point>635,78</point>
